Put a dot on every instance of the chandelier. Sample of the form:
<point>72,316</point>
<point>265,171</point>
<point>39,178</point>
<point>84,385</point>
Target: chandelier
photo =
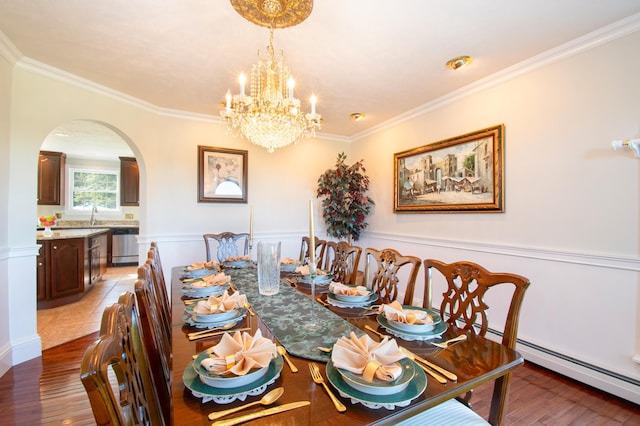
<point>270,116</point>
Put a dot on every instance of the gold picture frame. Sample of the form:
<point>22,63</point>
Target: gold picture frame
<point>460,174</point>
<point>222,175</point>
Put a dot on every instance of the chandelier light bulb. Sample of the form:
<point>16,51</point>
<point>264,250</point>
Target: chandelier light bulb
<point>242,79</point>
<point>313,103</point>
<point>291,83</point>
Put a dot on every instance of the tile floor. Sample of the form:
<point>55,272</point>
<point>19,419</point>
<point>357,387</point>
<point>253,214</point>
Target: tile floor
<point>65,323</point>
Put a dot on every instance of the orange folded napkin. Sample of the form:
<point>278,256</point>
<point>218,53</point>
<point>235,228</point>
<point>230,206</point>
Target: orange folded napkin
<point>304,270</point>
<point>237,258</point>
<point>342,289</point>
<point>201,265</point>
<point>211,280</point>
<point>364,356</point>
<point>289,261</point>
<point>240,353</point>
<point>394,312</point>
<point>219,304</point>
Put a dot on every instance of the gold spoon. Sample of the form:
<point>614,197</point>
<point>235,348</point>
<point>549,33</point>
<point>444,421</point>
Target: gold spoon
<point>282,351</point>
<point>268,399</point>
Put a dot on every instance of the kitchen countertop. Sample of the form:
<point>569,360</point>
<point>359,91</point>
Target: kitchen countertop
<point>62,224</point>
<point>71,233</point>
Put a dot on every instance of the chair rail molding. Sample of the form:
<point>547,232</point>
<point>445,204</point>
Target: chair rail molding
<point>588,259</point>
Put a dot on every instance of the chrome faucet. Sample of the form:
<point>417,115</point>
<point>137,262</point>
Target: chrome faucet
<point>94,210</point>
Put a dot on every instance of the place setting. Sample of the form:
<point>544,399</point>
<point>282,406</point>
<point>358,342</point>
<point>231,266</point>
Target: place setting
<point>374,374</point>
<point>207,285</point>
<point>305,279</point>
<point>288,265</point>
<point>350,296</point>
<point>215,312</point>
<point>411,322</point>
<point>237,262</point>
<point>238,366</point>
<point>199,270</point>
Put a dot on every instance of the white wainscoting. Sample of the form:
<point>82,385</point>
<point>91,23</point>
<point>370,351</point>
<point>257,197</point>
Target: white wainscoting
<point>579,316</point>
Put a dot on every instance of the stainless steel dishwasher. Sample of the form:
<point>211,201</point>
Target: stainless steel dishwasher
<point>124,246</point>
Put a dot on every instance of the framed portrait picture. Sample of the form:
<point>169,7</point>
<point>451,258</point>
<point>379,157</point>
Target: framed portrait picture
<point>461,174</point>
<point>222,175</point>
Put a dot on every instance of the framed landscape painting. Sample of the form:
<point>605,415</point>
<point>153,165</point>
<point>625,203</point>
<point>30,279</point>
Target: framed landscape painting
<point>461,174</point>
<point>222,175</point>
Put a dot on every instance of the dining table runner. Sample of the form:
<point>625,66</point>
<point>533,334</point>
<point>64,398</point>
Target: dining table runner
<point>286,314</point>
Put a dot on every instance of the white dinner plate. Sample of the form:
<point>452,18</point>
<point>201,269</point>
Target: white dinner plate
<point>331,298</point>
<point>416,328</point>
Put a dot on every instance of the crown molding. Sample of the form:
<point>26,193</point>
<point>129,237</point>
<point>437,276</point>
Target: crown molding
<point>8,50</point>
<point>589,41</point>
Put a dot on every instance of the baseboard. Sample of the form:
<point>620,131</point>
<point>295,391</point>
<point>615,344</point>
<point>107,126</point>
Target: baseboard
<point>5,359</point>
<point>622,386</point>
<point>26,349</point>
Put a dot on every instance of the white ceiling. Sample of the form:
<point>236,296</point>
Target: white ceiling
<point>379,57</point>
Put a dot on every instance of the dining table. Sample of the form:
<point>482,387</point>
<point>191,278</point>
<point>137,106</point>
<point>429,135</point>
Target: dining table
<point>284,317</point>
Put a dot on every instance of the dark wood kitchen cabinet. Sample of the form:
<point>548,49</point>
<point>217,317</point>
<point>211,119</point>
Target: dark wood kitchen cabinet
<point>68,267</point>
<point>51,172</point>
<point>41,273</point>
<point>129,182</point>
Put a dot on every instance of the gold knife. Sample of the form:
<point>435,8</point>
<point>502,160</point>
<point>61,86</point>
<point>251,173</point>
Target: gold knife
<point>215,333</point>
<point>427,370</point>
<point>439,369</point>
<point>261,413</point>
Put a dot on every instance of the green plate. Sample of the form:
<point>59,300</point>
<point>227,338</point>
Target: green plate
<point>417,385</point>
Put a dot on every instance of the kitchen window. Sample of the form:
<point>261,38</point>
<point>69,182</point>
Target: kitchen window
<point>89,188</point>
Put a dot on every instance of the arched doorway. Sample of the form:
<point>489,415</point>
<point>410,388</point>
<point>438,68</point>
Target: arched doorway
<point>91,174</point>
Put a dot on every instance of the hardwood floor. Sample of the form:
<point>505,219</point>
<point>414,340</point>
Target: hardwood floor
<point>48,391</point>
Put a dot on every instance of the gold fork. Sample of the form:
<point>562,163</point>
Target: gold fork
<point>317,378</point>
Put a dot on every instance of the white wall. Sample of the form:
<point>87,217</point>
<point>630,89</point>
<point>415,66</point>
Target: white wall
<point>572,204</point>
<point>5,115</point>
<point>280,184</point>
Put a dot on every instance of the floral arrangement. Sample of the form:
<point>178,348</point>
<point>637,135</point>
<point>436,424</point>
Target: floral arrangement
<point>346,205</point>
<point>47,220</point>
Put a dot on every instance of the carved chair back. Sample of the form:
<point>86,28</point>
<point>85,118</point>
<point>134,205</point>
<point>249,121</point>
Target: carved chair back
<point>341,260</point>
<point>119,355</point>
<point>385,281</point>
<point>228,245</point>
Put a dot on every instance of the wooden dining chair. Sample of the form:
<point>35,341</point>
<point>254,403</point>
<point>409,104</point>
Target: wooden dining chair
<point>464,306</point>
<point>320,249</point>
<point>341,260</point>
<point>115,371</point>
<point>160,286</point>
<point>228,244</point>
<point>155,336</point>
<point>386,264</point>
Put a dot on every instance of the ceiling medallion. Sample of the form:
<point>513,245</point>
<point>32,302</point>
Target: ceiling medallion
<point>274,13</point>
<point>270,115</point>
